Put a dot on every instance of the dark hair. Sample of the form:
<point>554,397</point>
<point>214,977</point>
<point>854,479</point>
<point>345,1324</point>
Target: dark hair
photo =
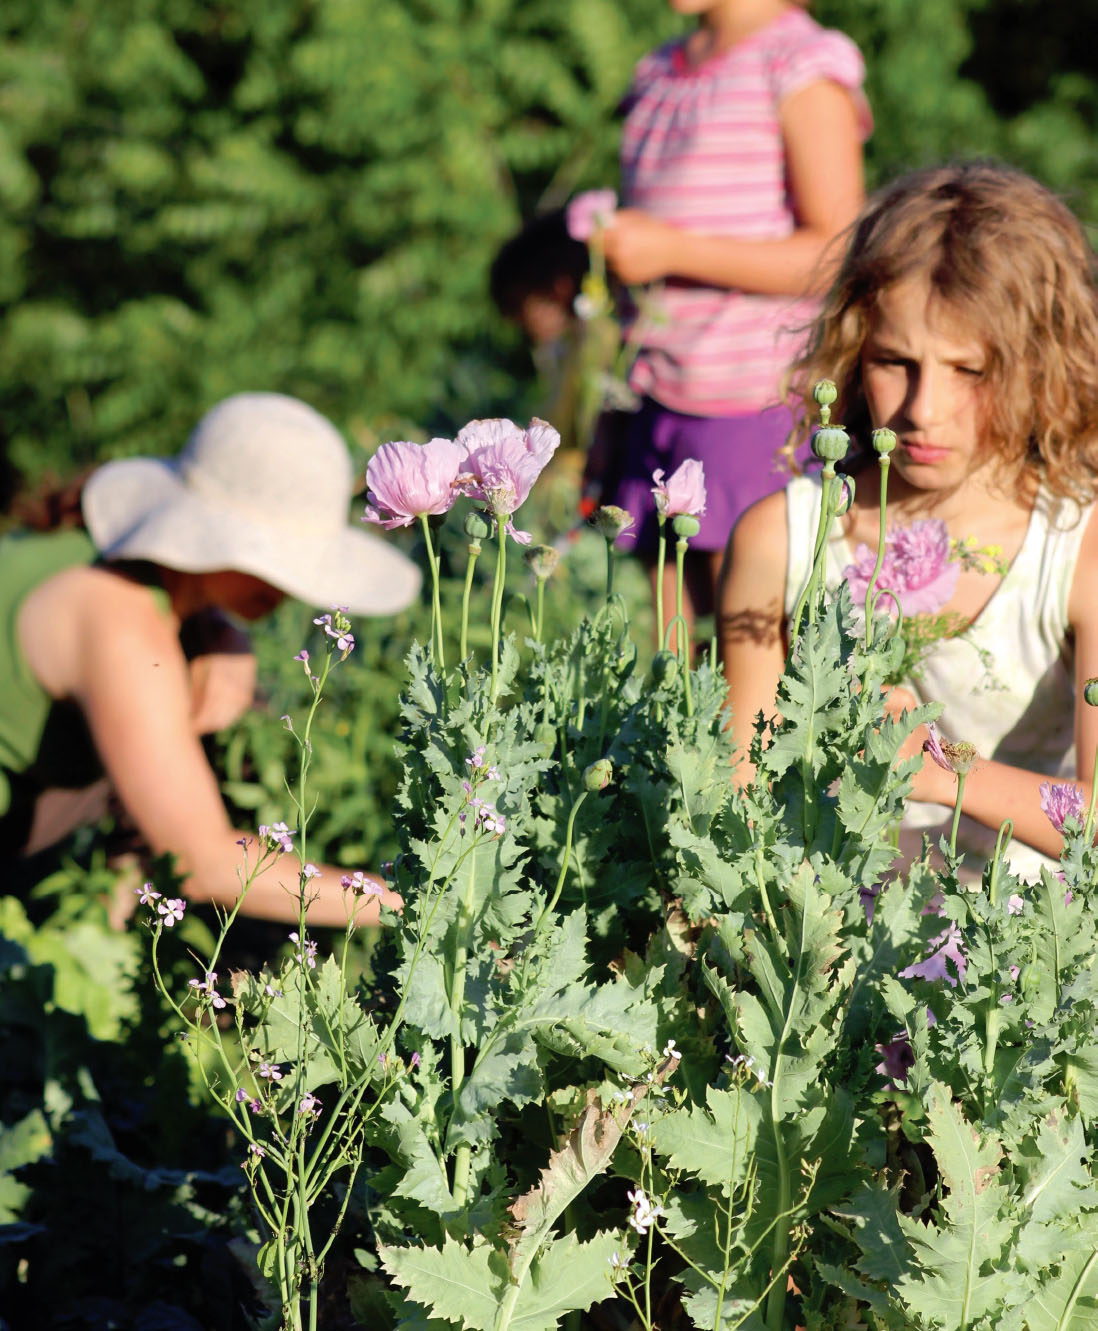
<point>1012,262</point>
<point>534,262</point>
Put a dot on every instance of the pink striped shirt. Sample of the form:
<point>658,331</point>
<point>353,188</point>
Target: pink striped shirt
<point>702,148</point>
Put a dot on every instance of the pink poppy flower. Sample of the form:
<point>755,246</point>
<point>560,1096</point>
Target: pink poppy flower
<point>589,211</point>
<point>947,947</point>
<point>916,566</point>
<point>953,757</point>
<point>1060,801</point>
<point>407,480</point>
<point>898,1058</point>
<point>682,492</point>
<point>503,461</point>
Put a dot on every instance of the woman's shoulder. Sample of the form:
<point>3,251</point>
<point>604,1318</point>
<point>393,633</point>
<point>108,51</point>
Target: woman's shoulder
<point>64,622</point>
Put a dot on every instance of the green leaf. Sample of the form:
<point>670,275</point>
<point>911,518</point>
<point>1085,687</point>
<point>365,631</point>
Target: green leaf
<point>1067,1301</point>
<point>565,1277</point>
<point>453,1282</point>
<point>716,1145</point>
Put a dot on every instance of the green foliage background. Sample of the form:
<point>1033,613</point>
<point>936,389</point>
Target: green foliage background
<point>305,195</point>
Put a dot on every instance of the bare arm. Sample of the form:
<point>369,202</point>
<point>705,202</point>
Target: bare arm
<point>751,619</point>
<point>102,641</point>
<point>824,160</point>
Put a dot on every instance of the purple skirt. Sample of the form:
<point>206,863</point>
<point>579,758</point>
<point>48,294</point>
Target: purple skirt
<point>739,455</point>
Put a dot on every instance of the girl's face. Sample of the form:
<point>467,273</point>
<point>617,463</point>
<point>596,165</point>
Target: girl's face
<point>923,375</point>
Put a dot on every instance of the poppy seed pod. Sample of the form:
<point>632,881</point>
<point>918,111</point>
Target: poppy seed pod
<point>545,736</point>
<point>610,521</point>
<point>542,560</point>
<point>883,441</point>
<point>830,443</point>
<point>686,525</point>
<point>825,393</point>
<point>1090,691</point>
<point>477,527</point>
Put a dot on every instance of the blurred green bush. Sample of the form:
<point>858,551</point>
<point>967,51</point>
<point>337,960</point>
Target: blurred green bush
<point>305,195</point>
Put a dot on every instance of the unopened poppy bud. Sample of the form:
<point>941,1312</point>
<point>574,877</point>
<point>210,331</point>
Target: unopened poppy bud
<point>845,498</point>
<point>610,521</point>
<point>825,393</point>
<point>476,526</point>
<point>883,441</point>
<point>686,525</point>
<point>543,560</point>
<point>545,736</point>
<point>830,443</point>
<point>665,666</point>
<point>1090,692</point>
<point>1029,979</point>
<point>599,775</point>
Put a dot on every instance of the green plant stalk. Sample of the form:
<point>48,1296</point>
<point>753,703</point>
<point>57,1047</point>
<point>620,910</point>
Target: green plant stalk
<point>463,1154</point>
<point>474,551</point>
<point>661,560</point>
<point>684,638</point>
<point>540,616</point>
<point>436,606</point>
<point>808,595</point>
<point>1088,826</point>
<point>611,557</point>
<point>883,508</point>
<point>957,812</point>
<point>1006,830</point>
<point>497,602</point>
<point>549,905</point>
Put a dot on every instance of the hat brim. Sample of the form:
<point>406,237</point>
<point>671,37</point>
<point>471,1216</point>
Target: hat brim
<point>139,508</point>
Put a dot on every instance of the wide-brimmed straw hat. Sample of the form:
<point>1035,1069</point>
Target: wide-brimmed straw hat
<point>262,486</point>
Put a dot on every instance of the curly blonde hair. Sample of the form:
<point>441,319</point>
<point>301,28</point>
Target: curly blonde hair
<point>1013,264</point>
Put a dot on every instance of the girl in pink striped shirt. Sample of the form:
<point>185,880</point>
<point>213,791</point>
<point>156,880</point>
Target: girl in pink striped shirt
<point>741,162</point>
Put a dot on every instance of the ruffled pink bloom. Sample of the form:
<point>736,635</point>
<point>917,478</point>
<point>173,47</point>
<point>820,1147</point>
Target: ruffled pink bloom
<point>502,463</point>
<point>947,947</point>
<point>916,567</point>
<point>1060,801</point>
<point>407,480</point>
<point>589,211</point>
<point>682,492</point>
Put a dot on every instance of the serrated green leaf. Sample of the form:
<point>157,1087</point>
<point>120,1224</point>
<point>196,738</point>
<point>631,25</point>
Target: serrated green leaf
<point>453,1282</point>
<point>714,1143</point>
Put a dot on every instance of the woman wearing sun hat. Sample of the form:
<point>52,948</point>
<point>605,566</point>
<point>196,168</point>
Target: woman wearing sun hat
<point>94,680</point>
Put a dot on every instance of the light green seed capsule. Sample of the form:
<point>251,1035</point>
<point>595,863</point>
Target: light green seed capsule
<point>599,775</point>
<point>883,441</point>
<point>686,525</point>
<point>830,443</point>
<point>1090,692</point>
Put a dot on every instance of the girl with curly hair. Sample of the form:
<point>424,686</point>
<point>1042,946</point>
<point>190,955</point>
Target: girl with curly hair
<point>965,318</point>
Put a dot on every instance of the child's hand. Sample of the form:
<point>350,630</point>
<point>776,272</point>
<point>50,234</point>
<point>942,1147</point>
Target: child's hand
<point>640,248</point>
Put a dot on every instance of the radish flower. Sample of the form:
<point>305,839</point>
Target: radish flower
<point>406,481</point>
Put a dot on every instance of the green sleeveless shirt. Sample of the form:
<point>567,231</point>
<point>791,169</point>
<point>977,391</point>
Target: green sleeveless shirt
<point>43,742</point>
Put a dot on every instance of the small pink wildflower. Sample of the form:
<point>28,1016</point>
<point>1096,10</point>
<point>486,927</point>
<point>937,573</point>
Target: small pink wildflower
<point>682,492</point>
<point>209,988</point>
<point>145,894</point>
<point>310,1104</point>
<point>271,1071</point>
<point>277,835</point>
<point>360,885</point>
<point>311,871</point>
<point>589,211</point>
<point>171,910</point>
<point>407,481</point>
<point>1060,801</point>
<point>1015,904</point>
<point>916,567</point>
<point>306,950</point>
<point>645,1212</point>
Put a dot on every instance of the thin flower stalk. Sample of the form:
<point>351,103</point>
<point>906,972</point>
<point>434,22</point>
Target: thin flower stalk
<point>661,560</point>
<point>550,905</point>
<point>883,442</point>
<point>497,603</point>
<point>436,606</point>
